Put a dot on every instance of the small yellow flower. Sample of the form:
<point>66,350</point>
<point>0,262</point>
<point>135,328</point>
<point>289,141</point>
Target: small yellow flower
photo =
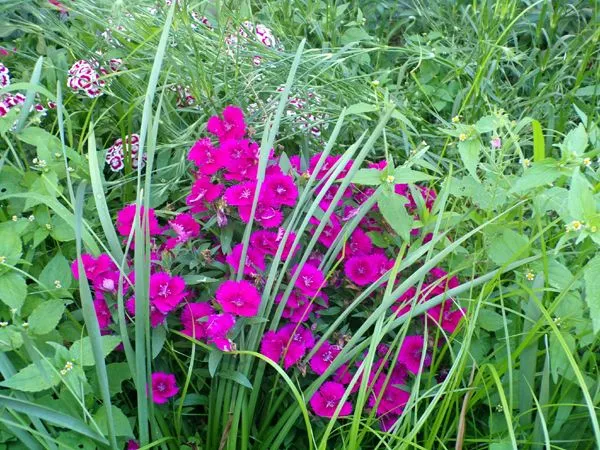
<point>462,137</point>
<point>530,275</point>
<point>25,324</point>
<point>63,372</point>
<point>15,218</point>
<point>68,365</point>
<point>2,259</point>
<point>456,119</point>
<point>375,83</point>
<point>526,162</point>
<point>593,228</point>
<point>587,162</point>
<point>48,227</point>
<point>3,324</point>
<point>31,218</point>
<point>390,179</point>
<point>57,284</point>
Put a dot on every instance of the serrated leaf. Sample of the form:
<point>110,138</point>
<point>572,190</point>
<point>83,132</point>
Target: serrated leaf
<point>13,290</point>
<point>122,425</point>
<point>10,246</point>
<point>57,269</point>
<point>368,177</point>
<point>10,339</point>
<point>394,212</point>
<point>539,174</point>
<point>45,317</point>
<point>581,198</point>
<point>508,246</point>
<point>490,320</point>
<point>81,350</point>
<point>469,151</point>
<point>576,140</point>
<point>30,379</point>
<point>591,275</point>
<point>488,123</point>
<point>409,176</point>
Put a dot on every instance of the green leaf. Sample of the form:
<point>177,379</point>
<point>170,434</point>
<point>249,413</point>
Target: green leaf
<point>369,177</point>
<point>159,336</point>
<point>394,212</point>
<point>236,376</point>
<point>197,279</point>
<point>576,140</point>
<point>117,373</point>
<point>214,359</point>
<point>409,176</point>
<point>581,198</point>
<point>81,350</point>
<point>354,34</point>
<point>588,91</point>
<point>122,425</point>
<point>539,146</point>
<point>61,230</point>
<point>10,246</point>
<point>379,239</point>
<point>591,276</point>
<point>508,246</point>
<point>10,339</point>
<point>58,269</point>
<point>45,317</point>
<point>13,289</point>
<point>539,174</point>
<point>361,108</point>
<point>490,320</point>
<point>30,379</point>
<point>489,123</point>
<point>469,153</point>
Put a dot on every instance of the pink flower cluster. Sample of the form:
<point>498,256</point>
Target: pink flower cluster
<point>83,76</point>
<point>224,189</point>
<point>249,32</point>
<point>4,76</point>
<point>87,76</point>
<point>122,149</point>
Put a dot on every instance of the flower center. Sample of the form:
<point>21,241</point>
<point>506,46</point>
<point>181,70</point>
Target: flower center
<point>161,387</point>
<point>327,356</point>
<point>308,281</point>
<point>108,284</point>
<point>330,404</point>
<point>164,290</point>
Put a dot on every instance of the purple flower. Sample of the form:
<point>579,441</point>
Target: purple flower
<point>164,386</point>
<point>325,401</point>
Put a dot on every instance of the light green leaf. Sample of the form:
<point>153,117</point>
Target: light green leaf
<point>539,174</point>
<point>117,373</point>
<point>591,276</point>
<point>122,425</point>
<point>489,123</point>
<point>469,151</point>
<point>369,177</point>
<point>81,350</point>
<point>354,34</point>
<point>10,339</point>
<point>409,176</point>
<point>61,230</point>
<point>45,317</point>
<point>30,379</point>
<point>10,245</point>
<point>581,198</point>
<point>360,108</point>
<point>576,140</point>
<point>58,269</point>
<point>539,146</point>
<point>508,246</point>
<point>490,320</point>
<point>394,212</point>
<point>13,289</point>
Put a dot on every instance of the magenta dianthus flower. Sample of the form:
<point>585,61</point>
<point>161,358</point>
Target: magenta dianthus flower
<point>310,279</point>
<point>166,292</point>
<point>411,353</point>
<point>325,401</point>
<point>207,158</point>
<point>238,297</point>
<point>324,356</point>
<point>231,126</point>
<point>126,217</point>
<point>361,270</point>
<point>164,386</point>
